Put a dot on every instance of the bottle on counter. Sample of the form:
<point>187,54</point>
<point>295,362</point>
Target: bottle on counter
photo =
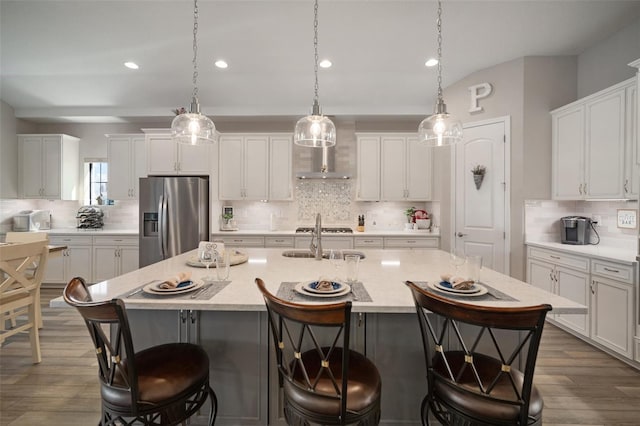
<point>360,227</point>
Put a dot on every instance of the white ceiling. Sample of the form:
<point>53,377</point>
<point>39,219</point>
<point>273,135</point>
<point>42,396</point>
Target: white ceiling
<point>63,60</point>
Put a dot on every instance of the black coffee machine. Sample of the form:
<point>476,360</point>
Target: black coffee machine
<point>575,230</point>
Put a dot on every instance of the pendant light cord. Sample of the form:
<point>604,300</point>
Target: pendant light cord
<point>195,49</point>
<point>315,47</point>
<point>439,26</point>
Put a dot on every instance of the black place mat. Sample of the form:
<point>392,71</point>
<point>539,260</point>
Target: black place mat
<point>492,295</point>
<point>209,289</point>
<point>358,294</point>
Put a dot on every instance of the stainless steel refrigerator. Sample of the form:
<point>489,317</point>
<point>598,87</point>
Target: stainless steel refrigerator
<point>174,216</point>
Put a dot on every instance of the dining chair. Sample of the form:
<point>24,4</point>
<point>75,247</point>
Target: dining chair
<point>20,289</point>
<point>323,381</point>
<point>473,368</point>
<point>26,237</point>
<point>160,385</point>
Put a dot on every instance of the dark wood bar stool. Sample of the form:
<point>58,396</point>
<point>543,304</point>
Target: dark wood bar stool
<point>161,385</point>
<point>468,385</point>
<point>323,383</point>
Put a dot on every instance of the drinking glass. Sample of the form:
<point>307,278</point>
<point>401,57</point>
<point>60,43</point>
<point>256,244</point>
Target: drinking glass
<point>206,257</point>
<point>222,265</point>
<point>474,264</point>
<point>336,259</point>
<point>353,263</point>
<point>457,259</point>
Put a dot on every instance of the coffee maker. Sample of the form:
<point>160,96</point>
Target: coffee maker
<point>575,230</point>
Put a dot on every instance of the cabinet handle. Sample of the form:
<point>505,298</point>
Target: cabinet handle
<point>580,189</point>
<point>585,189</point>
<point>592,286</point>
<point>237,241</point>
<point>411,241</point>
<point>611,270</point>
<point>554,257</point>
<point>626,186</point>
<point>279,241</point>
<point>360,319</point>
<point>367,241</point>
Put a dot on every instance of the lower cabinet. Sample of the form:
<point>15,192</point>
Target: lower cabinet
<point>270,242</point>
<point>328,242</point>
<point>113,256</point>
<point>74,262</point>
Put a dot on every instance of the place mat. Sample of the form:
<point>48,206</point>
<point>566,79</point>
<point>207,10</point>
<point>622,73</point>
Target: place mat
<point>492,295</point>
<point>208,290</point>
<point>357,294</point>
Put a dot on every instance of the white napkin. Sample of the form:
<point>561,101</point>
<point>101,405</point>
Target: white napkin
<point>174,281</point>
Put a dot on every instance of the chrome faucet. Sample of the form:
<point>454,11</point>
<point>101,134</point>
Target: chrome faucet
<point>316,249</point>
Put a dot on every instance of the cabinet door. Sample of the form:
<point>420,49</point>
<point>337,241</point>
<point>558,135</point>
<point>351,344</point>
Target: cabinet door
<point>120,161</point>
<point>568,154</point>
<point>368,168</point>
<point>105,263</point>
<point>280,168</point>
<point>128,257</point>
<point>632,154</point>
<point>230,166</point>
<point>574,286</point>
<point>419,170</point>
<point>540,274</point>
<point>31,150</point>
<point>139,150</point>
<point>54,271</point>
<point>78,263</point>
<point>393,153</point>
<point>256,163</point>
<point>612,315</point>
<point>51,161</point>
<point>604,142</point>
<point>161,155</point>
<point>194,159</point>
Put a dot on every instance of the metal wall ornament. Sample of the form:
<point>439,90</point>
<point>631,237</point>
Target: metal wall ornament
<point>478,175</point>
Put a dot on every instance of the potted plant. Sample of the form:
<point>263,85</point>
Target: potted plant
<point>410,213</point>
<point>478,175</point>
<point>227,218</point>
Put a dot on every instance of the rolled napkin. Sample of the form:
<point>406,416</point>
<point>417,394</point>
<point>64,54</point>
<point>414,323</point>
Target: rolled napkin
<point>324,285</point>
<point>174,282</point>
<point>460,283</point>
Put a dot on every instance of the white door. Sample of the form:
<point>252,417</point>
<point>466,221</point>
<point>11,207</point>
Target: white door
<point>480,213</point>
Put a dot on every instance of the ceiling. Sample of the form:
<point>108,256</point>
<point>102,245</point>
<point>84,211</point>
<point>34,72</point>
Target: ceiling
<point>62,61</point>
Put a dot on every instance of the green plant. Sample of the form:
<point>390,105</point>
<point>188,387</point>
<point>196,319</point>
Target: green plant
<point>409,213</point>
<point>479,170</point>
<point>227,216</point>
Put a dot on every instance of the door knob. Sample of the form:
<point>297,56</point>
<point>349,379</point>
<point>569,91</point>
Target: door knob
<point>460,234</point>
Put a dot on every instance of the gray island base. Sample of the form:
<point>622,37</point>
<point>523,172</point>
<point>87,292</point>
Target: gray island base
<point>232,324</point>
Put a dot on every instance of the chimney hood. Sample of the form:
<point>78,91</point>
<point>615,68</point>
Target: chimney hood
<point>323,165</point>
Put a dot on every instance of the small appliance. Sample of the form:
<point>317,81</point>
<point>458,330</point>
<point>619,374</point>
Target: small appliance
<point>32,220</point>
<point>575,230</point>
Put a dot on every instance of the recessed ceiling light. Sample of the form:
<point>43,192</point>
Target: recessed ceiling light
<point>221,64</point>
<point>431,62</point>
<point>325,63</point>
<point>131,65</point>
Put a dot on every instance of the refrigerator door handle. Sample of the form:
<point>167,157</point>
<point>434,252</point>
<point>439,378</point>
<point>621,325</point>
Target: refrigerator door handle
<point>163,220</point>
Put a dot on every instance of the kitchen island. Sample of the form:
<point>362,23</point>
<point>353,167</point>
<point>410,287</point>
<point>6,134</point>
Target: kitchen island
<point>232,324</point>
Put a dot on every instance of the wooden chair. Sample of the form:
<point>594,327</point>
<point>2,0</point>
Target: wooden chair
<point>26,237</point>
<point>20,289</point>
<point>468,385</point>
<point>160,385</point>
<point>322,383</point>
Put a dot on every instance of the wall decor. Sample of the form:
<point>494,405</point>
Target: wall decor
<point>478,175</point>
<point>479,91</point>
<point>627,218</point>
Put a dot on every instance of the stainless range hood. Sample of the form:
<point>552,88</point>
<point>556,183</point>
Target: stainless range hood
<point>323,165</point>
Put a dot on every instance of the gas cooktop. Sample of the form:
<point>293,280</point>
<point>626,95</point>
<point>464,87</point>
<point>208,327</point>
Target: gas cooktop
<point>337,230</point>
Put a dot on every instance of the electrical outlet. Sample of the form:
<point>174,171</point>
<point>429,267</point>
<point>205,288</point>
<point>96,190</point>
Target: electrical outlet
<point>596,219</point>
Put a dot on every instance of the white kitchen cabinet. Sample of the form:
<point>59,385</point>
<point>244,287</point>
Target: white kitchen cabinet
<point>127,157</point>
<point>165,156</point>
<point>418,241</point>
<point>279,242</point>
<point>632,153</point>
<point>589,139</point>
<point>280,167</point>
<point>76,260</point>
<point>368,168</point>
<point>328,242</point>
<point>368,242</point>
<point>113,256</point>
<point>49,166</point>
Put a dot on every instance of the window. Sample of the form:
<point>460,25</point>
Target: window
<point>96,182</point>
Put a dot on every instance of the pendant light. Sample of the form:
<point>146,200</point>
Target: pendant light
<point>315,130</point>
<point>441,128</point>
<point>194,128</point>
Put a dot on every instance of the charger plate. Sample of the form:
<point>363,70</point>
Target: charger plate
<point>152,288</point>
<point>434,286</point>
<point>300,288</point>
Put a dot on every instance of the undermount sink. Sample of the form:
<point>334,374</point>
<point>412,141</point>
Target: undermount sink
<point>325,253</point>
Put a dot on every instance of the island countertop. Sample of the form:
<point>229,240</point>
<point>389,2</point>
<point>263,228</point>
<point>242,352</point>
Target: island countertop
<point>382,273</point>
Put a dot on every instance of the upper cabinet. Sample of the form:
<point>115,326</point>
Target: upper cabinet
<point>255,167</point>
<point>49,166</point>
<point>165,156</point>
<point>590,139</point>
<point>127,157</point>
<point>393,167</point>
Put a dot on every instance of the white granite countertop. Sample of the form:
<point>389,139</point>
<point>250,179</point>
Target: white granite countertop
<point>367,233</point>
<point>623,255</point>
<point>382,272</point>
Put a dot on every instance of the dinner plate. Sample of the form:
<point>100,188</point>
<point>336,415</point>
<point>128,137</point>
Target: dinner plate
<point>300,288</point>
<point>153,288</point>
<point>483,290</point>
<point>448,287</point>
<point>311,287</point>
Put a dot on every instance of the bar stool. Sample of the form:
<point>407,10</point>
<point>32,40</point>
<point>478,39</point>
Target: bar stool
<point>161,385</point>
<point>468,385</point>
<point>312,372</point>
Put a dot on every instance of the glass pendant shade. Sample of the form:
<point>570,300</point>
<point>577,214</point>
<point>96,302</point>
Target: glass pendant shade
<point>315,130</point>
<point>193,128</point>
<point>440,129</point>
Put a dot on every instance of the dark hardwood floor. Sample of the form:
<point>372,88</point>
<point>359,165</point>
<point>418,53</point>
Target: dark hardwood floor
<point>580,384</point>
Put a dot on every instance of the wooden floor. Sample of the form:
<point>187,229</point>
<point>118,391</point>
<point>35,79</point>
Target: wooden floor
<point>580,384</point>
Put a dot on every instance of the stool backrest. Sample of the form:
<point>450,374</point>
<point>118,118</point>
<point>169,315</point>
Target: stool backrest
<point>109,329</point>
<point>442,324</point>
<point>297,328</point>
<point>17,267</point>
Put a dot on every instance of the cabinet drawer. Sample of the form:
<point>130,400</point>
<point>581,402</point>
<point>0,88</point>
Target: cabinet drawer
<point>373,242</point>
<point>575,262</point>
<point>242,241</point>
<point>612,270</point>
<point>410,242</point>
<point>278,242</point>
<point>114,240</point>
<point>71,240</point>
